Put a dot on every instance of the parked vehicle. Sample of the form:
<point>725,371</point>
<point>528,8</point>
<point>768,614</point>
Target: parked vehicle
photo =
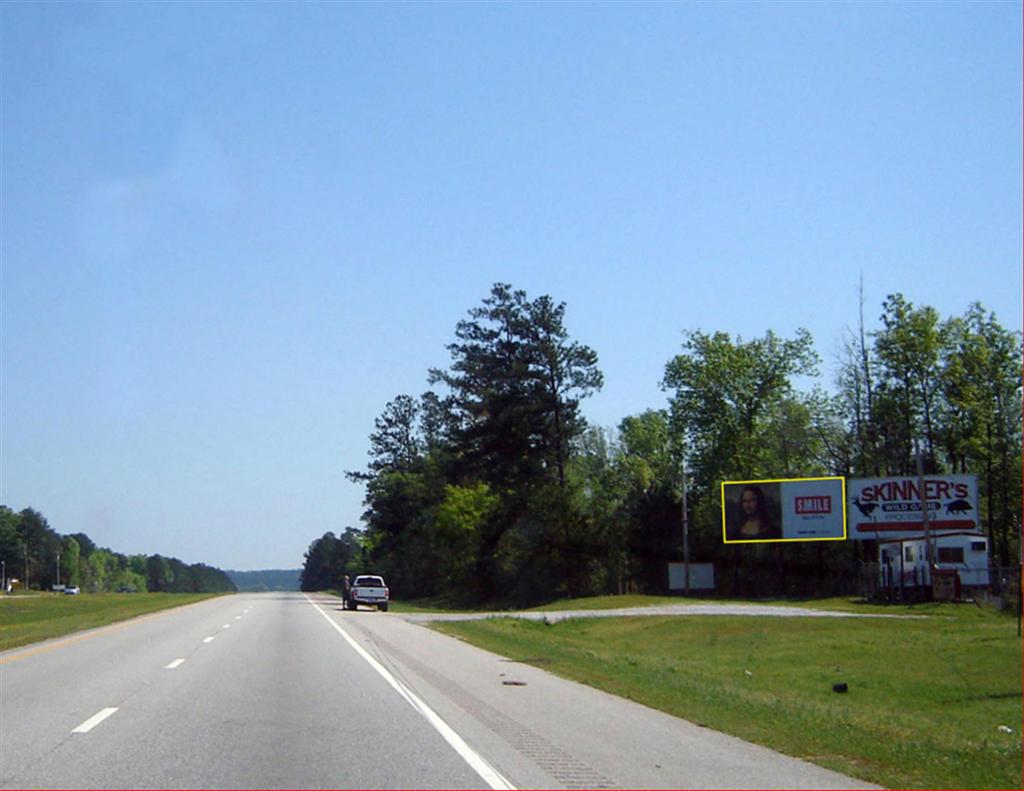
<point>72,590</point>
<point>370,590</point>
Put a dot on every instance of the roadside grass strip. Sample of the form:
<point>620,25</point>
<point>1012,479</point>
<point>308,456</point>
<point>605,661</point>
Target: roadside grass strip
<point>929,703</point>
<point>26,620</point>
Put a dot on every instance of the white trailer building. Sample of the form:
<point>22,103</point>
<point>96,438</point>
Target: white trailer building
<point>903,562</point>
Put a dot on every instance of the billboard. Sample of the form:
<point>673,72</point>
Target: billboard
<point>797,509</point>
<point>883,508</point>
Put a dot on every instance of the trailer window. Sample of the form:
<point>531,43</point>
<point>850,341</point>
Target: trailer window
<point>951,554</point>
<point>908,554</point>
<point>977,546</point>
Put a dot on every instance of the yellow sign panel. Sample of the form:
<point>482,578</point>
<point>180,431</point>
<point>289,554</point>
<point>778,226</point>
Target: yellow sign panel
<point>794,509</point>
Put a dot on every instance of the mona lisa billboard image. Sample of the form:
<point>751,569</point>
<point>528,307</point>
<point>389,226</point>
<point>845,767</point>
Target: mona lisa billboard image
<point>795,509</point>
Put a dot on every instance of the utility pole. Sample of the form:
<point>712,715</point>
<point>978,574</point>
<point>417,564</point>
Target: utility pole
<point>58,569</point>
<point>26,565</point>
<point>686,527</point>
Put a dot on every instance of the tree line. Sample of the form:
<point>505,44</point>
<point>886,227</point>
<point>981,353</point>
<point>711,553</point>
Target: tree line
<point>35,553</point>
<point>265,580</point>
<point>493,487</point>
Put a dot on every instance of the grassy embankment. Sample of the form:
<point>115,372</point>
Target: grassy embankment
<point>30,618</point>
<point>926,700</point>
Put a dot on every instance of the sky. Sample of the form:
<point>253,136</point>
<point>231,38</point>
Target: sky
<point>232,232</point>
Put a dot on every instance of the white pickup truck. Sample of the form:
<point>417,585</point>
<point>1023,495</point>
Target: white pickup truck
<point>369,590</point>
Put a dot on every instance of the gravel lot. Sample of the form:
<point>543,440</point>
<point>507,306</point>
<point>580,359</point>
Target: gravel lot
<point>759,610</point>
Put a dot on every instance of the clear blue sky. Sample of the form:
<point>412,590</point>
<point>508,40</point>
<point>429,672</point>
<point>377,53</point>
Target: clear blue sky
<point>232,232</point>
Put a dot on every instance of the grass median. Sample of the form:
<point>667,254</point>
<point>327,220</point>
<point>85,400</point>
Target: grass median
<point>931,703</point>
<point>30,618</point>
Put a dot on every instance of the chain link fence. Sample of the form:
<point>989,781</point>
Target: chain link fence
<point>997,586</point>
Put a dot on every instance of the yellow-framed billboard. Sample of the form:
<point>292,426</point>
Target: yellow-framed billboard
<point>784,509</point>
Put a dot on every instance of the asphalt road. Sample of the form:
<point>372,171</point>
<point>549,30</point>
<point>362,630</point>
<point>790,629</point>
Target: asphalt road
<point>290,691</point>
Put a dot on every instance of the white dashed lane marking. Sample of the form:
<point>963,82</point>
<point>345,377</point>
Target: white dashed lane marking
<point>97,718</point>
<point>94,720</point>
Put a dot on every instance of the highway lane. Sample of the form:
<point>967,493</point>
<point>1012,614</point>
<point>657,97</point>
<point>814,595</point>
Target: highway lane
<point>275,700</point>
<point>49,689</point>
<point>290,691</point>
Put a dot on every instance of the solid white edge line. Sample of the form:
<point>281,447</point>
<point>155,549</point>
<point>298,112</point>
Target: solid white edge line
<point>478,763</point>
<point>94,720</point>
<point>174,664</point>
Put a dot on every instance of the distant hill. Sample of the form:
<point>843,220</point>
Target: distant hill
<point>266,580</point>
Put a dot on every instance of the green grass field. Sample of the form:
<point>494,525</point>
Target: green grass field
<point>31,618</point>
<point>928,701</point>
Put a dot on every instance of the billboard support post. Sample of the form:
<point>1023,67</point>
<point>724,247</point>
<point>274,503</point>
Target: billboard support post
<point>925,522</point>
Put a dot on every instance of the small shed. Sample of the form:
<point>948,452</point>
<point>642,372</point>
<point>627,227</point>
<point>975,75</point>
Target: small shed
<point>903,562</point>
